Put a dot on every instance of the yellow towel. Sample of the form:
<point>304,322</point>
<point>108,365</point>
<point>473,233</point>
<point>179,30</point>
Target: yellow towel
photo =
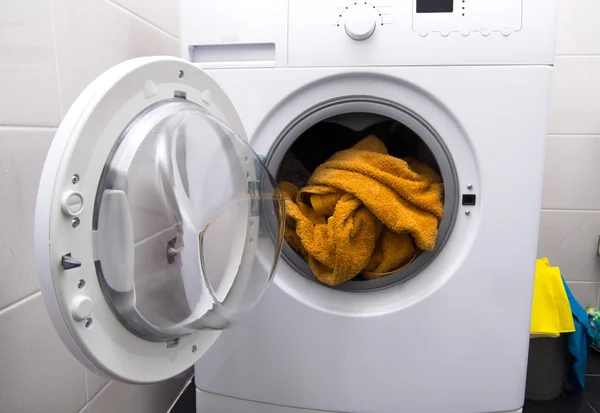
<point>551,312</point>
<point>361,211</point>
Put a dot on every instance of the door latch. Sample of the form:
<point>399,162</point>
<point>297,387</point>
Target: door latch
<point>68,262</point>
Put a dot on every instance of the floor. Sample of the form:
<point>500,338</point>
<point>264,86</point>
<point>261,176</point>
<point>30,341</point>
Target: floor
<point>187,400</point>
<point>589,402</point>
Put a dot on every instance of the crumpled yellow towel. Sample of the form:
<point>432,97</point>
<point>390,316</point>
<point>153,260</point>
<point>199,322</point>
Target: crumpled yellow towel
<point>551,313</point>
<point>361,210</point>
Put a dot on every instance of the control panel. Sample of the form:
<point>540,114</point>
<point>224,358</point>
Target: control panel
<point>466,17</point>
<point>420,32</point>
<point>319,33</point>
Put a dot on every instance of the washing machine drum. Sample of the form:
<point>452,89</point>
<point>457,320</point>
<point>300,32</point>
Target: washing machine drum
<point>152,227</point>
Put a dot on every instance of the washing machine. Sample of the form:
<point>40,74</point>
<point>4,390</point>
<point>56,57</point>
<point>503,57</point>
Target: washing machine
<point>159,227</point>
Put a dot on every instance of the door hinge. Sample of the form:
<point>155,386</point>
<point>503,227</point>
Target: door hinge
<point>254,191</point>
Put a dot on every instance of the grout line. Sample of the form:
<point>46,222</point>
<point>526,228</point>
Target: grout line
<point>573,135</point>
<point>141,18</point>
<point>591,407</point>
<point>17,127</point>
<point>577,55</point>
<point>100,392</point>
<point>53,23</point>
<point>569,210</point>
<point>87,393</point>
<point>21,301</point>
<point>85,409</point>
<point>582,282</point>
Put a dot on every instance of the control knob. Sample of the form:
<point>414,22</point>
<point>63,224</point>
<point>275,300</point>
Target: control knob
<point>360,21</point>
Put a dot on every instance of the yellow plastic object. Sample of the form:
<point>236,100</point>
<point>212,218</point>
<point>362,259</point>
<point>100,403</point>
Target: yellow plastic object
<point>551,313</point>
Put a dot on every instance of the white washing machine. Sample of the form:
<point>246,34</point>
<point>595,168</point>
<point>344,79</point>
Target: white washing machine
<point>159,225</point>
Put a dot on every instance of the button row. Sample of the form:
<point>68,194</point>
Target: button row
<point>465,31</point>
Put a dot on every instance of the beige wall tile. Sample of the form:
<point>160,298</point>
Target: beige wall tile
<point>569,239</point>
<point>38,374</point>
<point>94,383</point>
<point>27,64</point>
<point>22,155</point>
<point>578,29</point>
<point>151,398</point>
<point>585,293</point>
<point>94,35</point>
<point>574,96</point>
<point>161,13</point>
<point>571,173</point>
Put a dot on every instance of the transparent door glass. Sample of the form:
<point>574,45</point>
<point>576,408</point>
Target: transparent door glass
<point>188,224</point>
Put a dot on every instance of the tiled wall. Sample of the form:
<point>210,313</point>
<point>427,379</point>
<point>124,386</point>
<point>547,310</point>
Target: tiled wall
<point>570,223</point>
<point>49,51</point>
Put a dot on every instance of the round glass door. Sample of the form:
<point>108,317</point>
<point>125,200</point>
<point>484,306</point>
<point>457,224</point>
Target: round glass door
<point>182,238</point>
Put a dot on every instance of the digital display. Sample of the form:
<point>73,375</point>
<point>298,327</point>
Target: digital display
<point>435,6</point>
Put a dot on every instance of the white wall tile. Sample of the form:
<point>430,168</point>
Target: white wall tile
<point>569,239</point>
<point>575,95</point>
<point>151,398</point>
<point>161,13</point>
<point>27,64</point>
<point>578,29</point>
<point>38,374</point>
<point>585,293</point>
<point>22,154</point>
<point>94,383</point>
<point>572,172</point>
<point>94,35</point>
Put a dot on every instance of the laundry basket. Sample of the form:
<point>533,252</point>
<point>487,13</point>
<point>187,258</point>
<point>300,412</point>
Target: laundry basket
<point>546,368</point>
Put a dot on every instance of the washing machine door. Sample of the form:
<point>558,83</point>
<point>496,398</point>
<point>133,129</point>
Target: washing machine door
<point>157,226</point>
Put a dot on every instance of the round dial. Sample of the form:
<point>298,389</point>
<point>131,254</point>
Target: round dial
<point>360,21</point>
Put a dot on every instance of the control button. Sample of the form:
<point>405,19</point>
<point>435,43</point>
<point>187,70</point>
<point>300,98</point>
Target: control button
<point>423,31</point>
<point>485,31</point>
<point>72,203</point>
<point>360,21</point>
<point>68,262</point>
<point>445,32</point>
<point>81,308</point>
<point>465,31</point>
<point>506,31</point>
